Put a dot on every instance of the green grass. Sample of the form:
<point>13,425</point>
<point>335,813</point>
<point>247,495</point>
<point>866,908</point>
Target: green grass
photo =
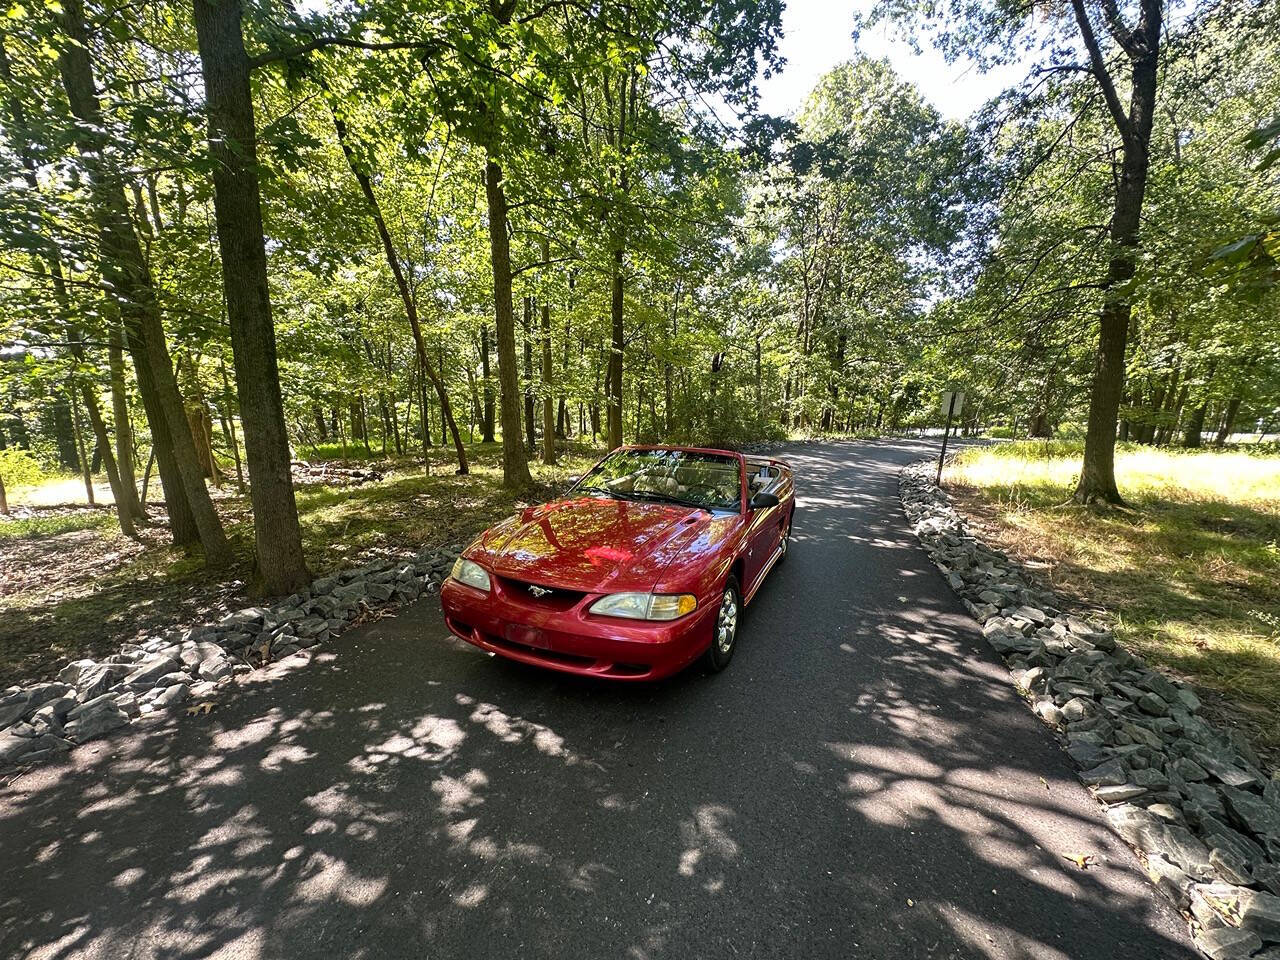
<point>87,594</point>
<point>1190,570</point>
<point>49,526</point>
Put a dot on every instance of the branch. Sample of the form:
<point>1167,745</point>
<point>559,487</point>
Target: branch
<point>319,43</point>
<point>542,263</point>
<point>1100,71</point>
<point>1123,35</point>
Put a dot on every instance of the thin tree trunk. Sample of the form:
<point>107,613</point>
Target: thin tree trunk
<point>515,463</point>
<point>1229,421</point>
<point>229,424</point>
<point>548,378</point>
<point>125,499</point>
<point>124,428</point>
<point>238,212</point>
<point>125,269</point>
<point>81,453</point>
<point>486,420</point>
<point>1097,471</point>
<point>530,438</point>
<point>402,286</point>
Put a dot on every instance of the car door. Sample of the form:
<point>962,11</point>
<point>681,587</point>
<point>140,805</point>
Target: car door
<point>764,533</point>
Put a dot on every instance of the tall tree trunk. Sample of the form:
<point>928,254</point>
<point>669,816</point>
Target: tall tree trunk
<point>82,455</point>
<point>238,212</point>
<point>124,428</point>
<point>125,499</point>
<point>1228,421</point>
<point>321,426</point>
<point>1097,472</point>
<point>613,376</point>
<point>229,427</point>
<point>531,441</point>
<point>125,269</point>
<point>402,286</point>
<point>486,419</point>
<point>548,380</point>
<point>515,463</point>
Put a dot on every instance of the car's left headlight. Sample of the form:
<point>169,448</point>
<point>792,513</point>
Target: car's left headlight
<point>470,573</point>
<point>645,606</point>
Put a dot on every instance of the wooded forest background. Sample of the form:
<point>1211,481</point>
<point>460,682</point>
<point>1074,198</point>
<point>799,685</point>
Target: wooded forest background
<point>236,232</point>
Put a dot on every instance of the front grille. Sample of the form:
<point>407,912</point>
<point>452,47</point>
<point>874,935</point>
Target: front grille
<point>535,594</point>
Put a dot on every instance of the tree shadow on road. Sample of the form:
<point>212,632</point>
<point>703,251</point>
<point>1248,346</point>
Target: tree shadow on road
<point>865,785</point>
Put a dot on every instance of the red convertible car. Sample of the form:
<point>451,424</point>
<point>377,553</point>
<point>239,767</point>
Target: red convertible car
<point>641,568</point>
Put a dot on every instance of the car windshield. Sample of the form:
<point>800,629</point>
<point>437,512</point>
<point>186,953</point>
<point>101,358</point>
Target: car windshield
<point>707,480</point>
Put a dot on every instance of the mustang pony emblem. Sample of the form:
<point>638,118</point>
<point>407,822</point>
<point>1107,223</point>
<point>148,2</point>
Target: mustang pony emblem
<point>538,591</point>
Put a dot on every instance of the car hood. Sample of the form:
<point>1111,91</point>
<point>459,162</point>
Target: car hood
<point>592,544</point>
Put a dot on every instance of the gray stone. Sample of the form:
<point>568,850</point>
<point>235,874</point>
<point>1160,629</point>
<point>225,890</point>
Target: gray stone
<point>193,654</point>
<point>43,693</point>
<point>1031,613</point>
<point>1189,770</point>
<point>95,724</point>
<point>72,671</point>
<point>1110,773</point>
<point>1150,778</point>
<point>1226,943</point>
<point>99,702</point>
<point>1158,683</point>
<point>1077,708</point>
<point>1267,875</point>
<point>1188,700</point>
<point>1225,771</point>
<point>1085,753</point>
<point>214,668</point>
<point>1170,880</point>
<point>1119,793</point>
<point>13,747</point>
<point>1048,711</point>
<point>170,696</point>
<point>1228,867</point>
<point>1153,704</point>
<point>1166,812</point>
<point>149,671</point>
<point>1181,847</point>
<point>381,592</point>
<point>1252,812</point>
<point>1246,908</point>
<point>97,679</point>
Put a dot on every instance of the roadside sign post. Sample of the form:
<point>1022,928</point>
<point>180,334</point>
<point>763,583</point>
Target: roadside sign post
<point>952,401</point>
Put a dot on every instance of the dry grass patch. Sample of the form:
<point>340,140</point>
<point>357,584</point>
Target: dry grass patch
<point>1190,572</point>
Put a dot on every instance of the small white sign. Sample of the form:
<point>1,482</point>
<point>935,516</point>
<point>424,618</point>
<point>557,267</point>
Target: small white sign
<point>947,396</point>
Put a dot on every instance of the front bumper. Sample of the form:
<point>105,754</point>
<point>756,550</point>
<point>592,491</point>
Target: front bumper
<point>572,640</point>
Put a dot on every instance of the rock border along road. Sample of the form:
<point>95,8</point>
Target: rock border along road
<point>863,781</point>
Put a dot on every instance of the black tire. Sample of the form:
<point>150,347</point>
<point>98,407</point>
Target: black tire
<point>720,652</point>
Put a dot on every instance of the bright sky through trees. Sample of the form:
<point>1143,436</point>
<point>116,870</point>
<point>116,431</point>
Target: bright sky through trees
<point>818,35</point>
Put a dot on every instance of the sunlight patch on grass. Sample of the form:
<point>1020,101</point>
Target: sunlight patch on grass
<point>1191,573</point>
<point>49,526</point>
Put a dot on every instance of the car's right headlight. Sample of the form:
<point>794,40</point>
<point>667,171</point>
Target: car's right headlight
<point>472,574</point>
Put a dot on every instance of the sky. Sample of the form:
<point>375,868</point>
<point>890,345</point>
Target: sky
<point>818,36</point>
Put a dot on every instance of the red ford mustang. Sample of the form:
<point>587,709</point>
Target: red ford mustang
<point>642,567</point>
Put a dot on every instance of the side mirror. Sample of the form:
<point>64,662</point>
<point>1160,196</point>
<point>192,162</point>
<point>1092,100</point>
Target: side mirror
<point>762,501</point>
<point>572,481</point>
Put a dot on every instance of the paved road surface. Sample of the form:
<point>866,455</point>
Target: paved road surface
<point>862,783</point>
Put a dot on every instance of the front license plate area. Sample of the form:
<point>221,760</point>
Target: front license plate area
<point>529,636</point>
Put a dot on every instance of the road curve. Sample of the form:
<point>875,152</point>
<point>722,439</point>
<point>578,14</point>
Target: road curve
<point>861,783</point>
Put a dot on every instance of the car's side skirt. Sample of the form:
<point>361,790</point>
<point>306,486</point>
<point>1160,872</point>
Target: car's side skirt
<point>764,572</point>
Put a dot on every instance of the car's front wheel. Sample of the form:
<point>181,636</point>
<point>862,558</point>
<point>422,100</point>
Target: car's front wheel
<point>725,630</point>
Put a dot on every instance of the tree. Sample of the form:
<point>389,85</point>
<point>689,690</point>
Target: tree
<point>125,268</point>
<point>238,211</point>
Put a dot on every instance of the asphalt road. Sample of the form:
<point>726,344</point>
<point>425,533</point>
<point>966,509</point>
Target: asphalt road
<point>861,783</point>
